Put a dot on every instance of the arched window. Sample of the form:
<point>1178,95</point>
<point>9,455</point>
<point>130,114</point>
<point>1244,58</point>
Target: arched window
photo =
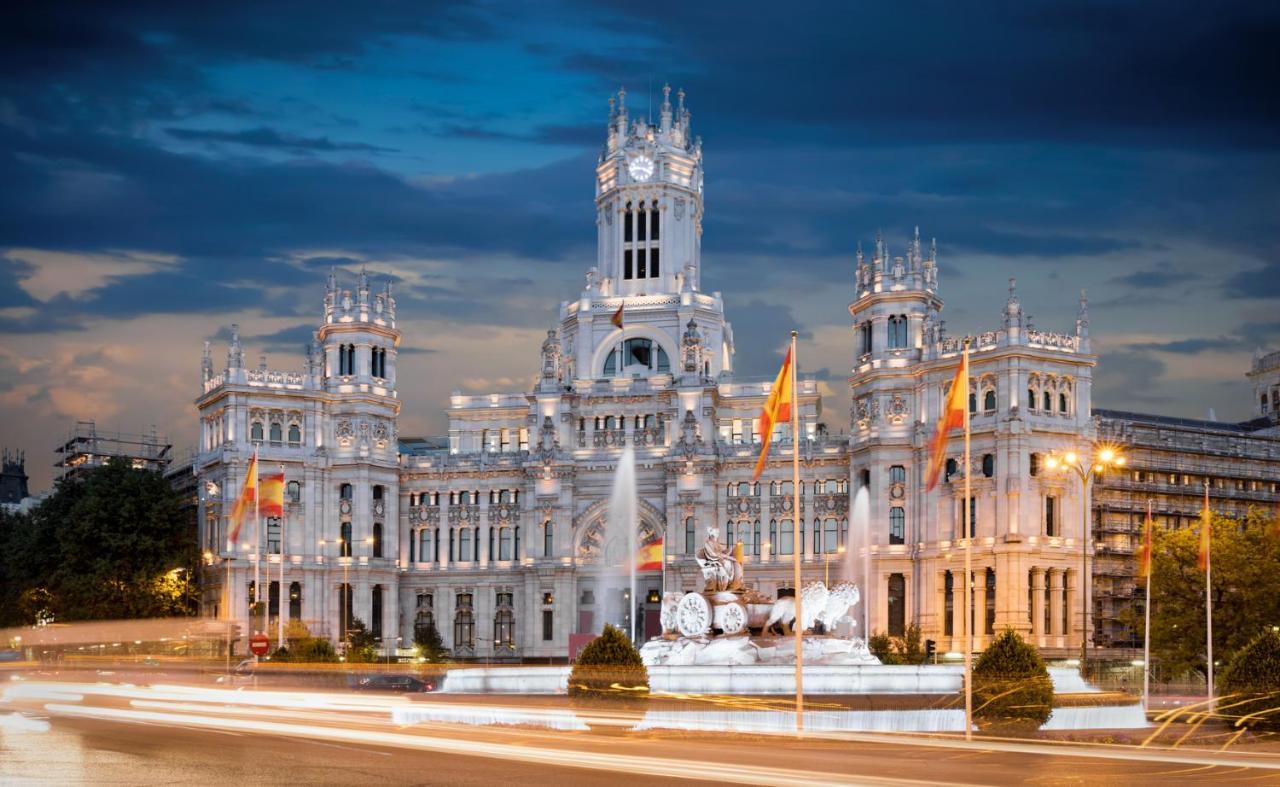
<point>344,492</point>
<point>1035,464</point>
<point>277,433</point>
<point>830,536</point>
<point>973,402</point>
<point>897,525</point>
<point>755,538</point>
<point>1047,402</point>
<point>464,622</point>
<point>515,532</point>
<point>988,465</point>
<point>375,612</point>
<point>344,539</point>
<point>351,359</point>
<point>504,624</point>
<point>897,331</point>
<point>627,226</point>
<point>786,537</point>
<point>773,536</point>
<point>255,431</point>
<point>951,469</point>
<point>413,546</point>
<point>504,543</point>
<point>548,539</point>
<point>424,545</point>
<point>377,539</point>
<point>1031,399</point>
<point>642,356</point>
<point>464,545</point>
<point>990,624</point>
<point>295,434</point>
<point>654,226</point>
<point>294,491</point>
<point>295,601</point>
<point>1062,403</point>
<point>424,615</point>
<point>744,489</point>
<point>989,401</point>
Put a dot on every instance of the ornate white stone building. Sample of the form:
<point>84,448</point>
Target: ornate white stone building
<point>495,533</point>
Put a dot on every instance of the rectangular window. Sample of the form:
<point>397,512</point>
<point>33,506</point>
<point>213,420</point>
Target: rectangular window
<point>897,474</point>
<point>689,530</point>
<point>949,606</point>
<point>786,537</point>
<point>640,224</point>
<point>1050,515</point>
<point>897,525</point>
<point>640,264</point>
<point>897,605</point>
<point>653,264</point>
<point>654,224</point>
<point>548,620</point>
<point>626,264</point>
<point>273,536</point>
<point>626,225</point>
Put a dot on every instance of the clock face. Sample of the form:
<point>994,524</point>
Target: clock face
<point>640,168</point>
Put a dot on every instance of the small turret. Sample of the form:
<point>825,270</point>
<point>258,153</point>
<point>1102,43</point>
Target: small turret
<point>664,118</point>
<point>1082,323</point>
<point>235,353</point>
<point>206,365</point>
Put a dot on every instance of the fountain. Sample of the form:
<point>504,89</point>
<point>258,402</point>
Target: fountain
<point>617,571</point>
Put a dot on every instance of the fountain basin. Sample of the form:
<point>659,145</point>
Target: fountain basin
<point>751,679</point>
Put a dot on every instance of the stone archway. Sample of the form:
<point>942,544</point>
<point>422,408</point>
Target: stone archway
<point>590,545</point>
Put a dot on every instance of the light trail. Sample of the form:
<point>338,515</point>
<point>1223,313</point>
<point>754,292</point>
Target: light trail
<point>613,761</point>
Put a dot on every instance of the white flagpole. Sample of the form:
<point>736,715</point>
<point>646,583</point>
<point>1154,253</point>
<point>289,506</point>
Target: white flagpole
<point>1208,588</point>
<point>280,588</point>
<point>257,541</point>
<point>797,543</point>
<point>1146,639</point>
<point>968,561</point>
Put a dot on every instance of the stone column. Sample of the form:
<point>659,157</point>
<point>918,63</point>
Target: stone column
<point>1055,606</point>
<point>957,613</point>
<point>1037,605</point>
<point>940,607</point>
<point>1070,596</point>
<point>979,606</point>
<point>482,548</point>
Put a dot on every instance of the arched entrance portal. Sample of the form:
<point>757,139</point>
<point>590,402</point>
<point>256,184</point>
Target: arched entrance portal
<point>603,578</point>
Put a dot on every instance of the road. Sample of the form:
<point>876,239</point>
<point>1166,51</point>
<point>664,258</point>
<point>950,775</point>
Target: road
<point>105,735</point>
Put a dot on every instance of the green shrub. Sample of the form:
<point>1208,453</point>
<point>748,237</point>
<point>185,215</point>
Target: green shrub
<point>1011,687</point>
<point>362,645</point>
<point>308,649</point>
<point>1249,689</point>
<point>609,668</point>
<point>428,643</point>
<point>907,649</point>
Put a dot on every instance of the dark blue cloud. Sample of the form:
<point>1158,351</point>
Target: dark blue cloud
<point>263,137</point>
<point>1155,278</point>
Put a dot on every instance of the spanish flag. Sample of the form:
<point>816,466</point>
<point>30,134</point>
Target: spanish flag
<point>616,319</point>
<point>777,410</point>
<point>271,495</point>
<point>1144,558</point>
<point>248,493</point>
<point>649,558</point>
<point>953,415</point>
<point>1206,532</point>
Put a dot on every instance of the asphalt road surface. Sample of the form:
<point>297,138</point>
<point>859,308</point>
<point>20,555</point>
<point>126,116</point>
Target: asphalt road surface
<point>140,736</point>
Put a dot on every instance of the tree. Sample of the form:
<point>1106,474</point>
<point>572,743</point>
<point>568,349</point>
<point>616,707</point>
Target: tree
<point>106,544</point>
<point>1249,691</point>
<point>1246,591</point>
<point>428,643</point>
<point>609,668</point>
<point>362,645</point>
<point>1011,687</point>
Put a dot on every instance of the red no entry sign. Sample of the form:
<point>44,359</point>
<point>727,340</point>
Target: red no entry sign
<point>259,644</point>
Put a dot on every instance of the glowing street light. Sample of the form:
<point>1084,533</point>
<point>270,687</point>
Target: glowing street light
<point>1105,457</point>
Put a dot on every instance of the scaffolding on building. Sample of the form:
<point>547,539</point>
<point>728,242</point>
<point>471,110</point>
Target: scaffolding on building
<point>87,447</point>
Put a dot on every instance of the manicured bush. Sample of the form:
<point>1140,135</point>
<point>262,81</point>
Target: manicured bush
<point>609,668</point>
<point>1249,689</point>
<point>1011,687</point>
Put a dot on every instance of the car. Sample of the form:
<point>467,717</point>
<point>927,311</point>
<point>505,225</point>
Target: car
<point>400,684</point>
<point>10,655</point>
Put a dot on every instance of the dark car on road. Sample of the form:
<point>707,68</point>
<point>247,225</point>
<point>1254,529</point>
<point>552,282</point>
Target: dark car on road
<point>399,684</point>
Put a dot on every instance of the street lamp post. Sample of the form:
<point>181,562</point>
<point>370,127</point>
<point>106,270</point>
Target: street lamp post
<point>1086,469</point>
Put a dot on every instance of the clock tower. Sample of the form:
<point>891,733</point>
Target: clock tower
<point>649,201</point>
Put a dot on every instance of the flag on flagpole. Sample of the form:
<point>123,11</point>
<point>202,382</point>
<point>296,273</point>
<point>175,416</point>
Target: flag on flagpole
<point>777,410</point>
<point>248,494</point>
<point>271,495</point>
<point>616,319</point>
<point>1144,560</point>
<point>649,557</point>
<point>1206,532</point>
<point>953,414</point>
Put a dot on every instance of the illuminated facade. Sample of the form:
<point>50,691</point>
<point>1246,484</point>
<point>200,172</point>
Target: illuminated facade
<point>495,532</point>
